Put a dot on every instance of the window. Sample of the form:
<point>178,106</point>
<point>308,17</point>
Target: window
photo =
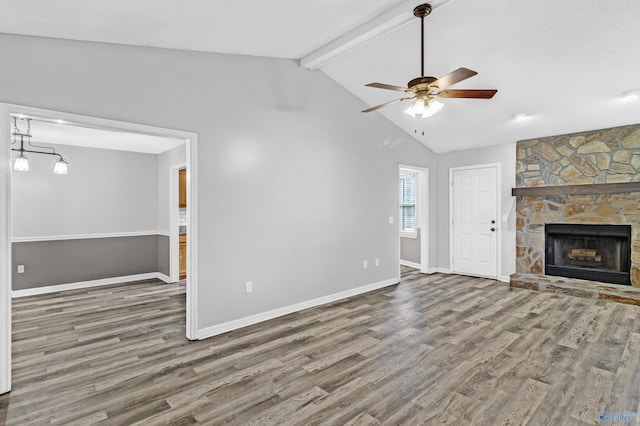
<point>408,205</point>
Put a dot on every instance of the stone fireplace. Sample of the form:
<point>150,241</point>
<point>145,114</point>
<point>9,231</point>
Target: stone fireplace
<point>589,178</point>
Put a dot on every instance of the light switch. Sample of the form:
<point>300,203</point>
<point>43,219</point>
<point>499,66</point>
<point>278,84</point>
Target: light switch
<point>390,220</point>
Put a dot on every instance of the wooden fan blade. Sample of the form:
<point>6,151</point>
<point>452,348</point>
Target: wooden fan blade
<point>453,77</point>
<point>477,94</point>
<point>386,103</point>
<point>387,86</point>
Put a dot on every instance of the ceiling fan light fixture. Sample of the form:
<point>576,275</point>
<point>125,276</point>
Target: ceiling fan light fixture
<point>424,109</point>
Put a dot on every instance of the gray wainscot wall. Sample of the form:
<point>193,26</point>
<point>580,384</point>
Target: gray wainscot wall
<point>70,261</point>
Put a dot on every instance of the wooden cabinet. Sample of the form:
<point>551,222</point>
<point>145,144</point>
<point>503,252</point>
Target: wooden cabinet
<point>182,188</point>
<point>183,256</point>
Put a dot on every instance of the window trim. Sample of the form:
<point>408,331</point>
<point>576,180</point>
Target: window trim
<point>414,233</point>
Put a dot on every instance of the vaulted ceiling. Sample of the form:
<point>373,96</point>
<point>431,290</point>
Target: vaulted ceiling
<point>562,63</point>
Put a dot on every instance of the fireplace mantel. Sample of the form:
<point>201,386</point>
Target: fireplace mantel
<point>596,188</point>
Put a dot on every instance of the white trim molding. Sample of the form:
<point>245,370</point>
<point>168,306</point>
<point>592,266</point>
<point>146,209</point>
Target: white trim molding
<point>443,270</point>
<point>265,316</point>
<point>192,238</point>
<point>88,284</point>
<point>410,264</point>
<point>85,236</point>
<point>5,251</point>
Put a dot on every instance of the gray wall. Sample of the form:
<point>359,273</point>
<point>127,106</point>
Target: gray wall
<point>69,261</point>
<point>506,156</point>
<point>295,184</point>
<point>163,255</point>
<point>410,248</point>
<point>105,192</point>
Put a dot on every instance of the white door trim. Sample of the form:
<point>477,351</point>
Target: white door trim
<point>422,175</point>
<point>5,251</point>
<point>498,214</point>
<point>5,209</point>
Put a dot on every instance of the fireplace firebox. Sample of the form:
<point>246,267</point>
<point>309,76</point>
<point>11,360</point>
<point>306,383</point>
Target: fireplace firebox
<point>592,252</point>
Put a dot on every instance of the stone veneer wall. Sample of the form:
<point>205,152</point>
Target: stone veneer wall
<point>600,156</point>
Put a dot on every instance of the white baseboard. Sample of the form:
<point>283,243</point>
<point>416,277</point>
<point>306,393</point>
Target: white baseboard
<point>432,270</point>
<point>410,264</point>
<point>504,278</point>
<point>88,284</point>
<point>265,316</point>
<point>443,270</point>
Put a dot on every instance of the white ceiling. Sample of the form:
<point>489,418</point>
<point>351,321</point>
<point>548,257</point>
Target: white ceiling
<point>563,63</point>
<point>44,131</point>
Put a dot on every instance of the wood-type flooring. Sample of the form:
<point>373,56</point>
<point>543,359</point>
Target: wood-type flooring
<point>435,349</point>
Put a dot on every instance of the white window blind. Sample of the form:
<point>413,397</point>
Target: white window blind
<point>408,205</point>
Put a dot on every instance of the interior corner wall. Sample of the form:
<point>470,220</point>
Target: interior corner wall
<point>99,221</point>
<point>295,185</point>
<point>506,156</point>
<point>166,160</point>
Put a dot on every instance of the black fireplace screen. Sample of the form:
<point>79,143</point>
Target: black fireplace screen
<point>591,252</point>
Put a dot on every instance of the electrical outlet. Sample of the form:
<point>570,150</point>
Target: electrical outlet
<point>21,269</point>
<point>377,262</point>
<point>365,264</point>
<point>248,287</point>
<point>390,220</point>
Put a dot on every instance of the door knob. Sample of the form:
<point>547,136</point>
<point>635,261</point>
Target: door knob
<point>493,229</point>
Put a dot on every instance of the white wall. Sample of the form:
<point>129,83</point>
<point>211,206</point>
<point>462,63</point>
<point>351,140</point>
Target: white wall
<point>295,184</point>
<point>506,156</point>
<point>167,159</point>
<point>104,192</point>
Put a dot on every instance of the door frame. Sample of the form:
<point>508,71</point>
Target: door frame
<point>422,179</point>
<point>174,237</point>
<point>499,222</point>
<point>191,146</point>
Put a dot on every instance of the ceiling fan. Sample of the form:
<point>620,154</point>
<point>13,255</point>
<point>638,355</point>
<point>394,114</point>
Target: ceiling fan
<point>425,90</point>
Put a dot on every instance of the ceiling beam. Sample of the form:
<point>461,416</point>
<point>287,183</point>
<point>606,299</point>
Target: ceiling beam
<point>379,26</point>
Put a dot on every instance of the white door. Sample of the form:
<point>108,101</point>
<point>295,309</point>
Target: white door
<point>474,228</point>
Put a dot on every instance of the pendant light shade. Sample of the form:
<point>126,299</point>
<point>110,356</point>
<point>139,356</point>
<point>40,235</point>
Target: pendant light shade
<point>22,163</point>
<point>61,167</point>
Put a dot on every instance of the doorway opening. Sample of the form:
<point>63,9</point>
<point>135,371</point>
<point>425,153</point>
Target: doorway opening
<point>414,217</point>
<point>50,119</point>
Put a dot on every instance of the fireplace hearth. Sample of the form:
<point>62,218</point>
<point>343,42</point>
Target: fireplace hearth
<point>592,252</point>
